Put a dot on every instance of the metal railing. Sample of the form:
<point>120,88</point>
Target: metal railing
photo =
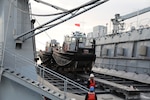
<point>20,64</point>
<point>44,70</point>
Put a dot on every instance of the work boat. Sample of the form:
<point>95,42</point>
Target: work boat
<point>74,56</point>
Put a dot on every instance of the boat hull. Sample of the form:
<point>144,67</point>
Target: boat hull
<point>70,61</point>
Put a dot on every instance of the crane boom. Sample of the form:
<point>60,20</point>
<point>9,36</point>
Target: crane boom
<point>56,21</point>
<point>54,6</point>
<point>133,14</point>
<point>116,21</point>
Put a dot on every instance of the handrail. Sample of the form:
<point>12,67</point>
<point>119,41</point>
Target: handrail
<point>65,79</point>
<point>49,71</point>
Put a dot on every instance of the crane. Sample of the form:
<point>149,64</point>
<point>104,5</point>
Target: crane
<point>48,4</point>
<point>118,19</point>
<point>67,15</point>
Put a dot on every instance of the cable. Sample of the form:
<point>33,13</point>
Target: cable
<point>42,15</point>
<point>45,15</point>
<point>45,31</point>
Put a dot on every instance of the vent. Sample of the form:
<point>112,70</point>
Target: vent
<point>142,50</point>
<point>120,51</point>
<point>18,44</point>
<point>104,52</point>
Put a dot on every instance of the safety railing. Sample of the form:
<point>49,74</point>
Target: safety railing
<point>43,71</point>
<point>20,64</point>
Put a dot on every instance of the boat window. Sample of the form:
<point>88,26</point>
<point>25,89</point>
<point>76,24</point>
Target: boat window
<point>82,40</point>
<point>73,40</point>
<point>53,45</point>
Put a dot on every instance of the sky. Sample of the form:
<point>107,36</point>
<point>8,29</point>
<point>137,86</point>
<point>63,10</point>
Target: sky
<point>101,15</point>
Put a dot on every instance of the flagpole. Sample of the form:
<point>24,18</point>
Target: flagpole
<point>78,25</point>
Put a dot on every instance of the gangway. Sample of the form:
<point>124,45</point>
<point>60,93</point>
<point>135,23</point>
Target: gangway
<point>33,85</point>
<point>39,86</point>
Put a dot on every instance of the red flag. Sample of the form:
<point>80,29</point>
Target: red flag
<point>77,25</point>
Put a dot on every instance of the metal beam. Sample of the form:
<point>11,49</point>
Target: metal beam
<point>118,19</point>
<point>133,14</point>
<point>33,85</point>
<point>74,12</point>
<point>54,6</point>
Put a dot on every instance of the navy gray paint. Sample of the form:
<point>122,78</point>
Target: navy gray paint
<point>13,22</point>
<point>126,52</point>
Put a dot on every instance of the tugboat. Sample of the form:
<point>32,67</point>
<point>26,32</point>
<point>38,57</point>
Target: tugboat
<point>74,56</point>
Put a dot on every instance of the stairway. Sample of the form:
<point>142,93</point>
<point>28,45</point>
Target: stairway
<point>21,76</point>
<point>33,85</point>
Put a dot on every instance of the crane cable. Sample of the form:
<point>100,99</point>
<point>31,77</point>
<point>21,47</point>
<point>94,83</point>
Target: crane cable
<point>46,15</point>
<point>41,15</point>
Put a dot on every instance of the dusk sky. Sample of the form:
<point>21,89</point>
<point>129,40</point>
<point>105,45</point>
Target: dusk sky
<point>100,15</point>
